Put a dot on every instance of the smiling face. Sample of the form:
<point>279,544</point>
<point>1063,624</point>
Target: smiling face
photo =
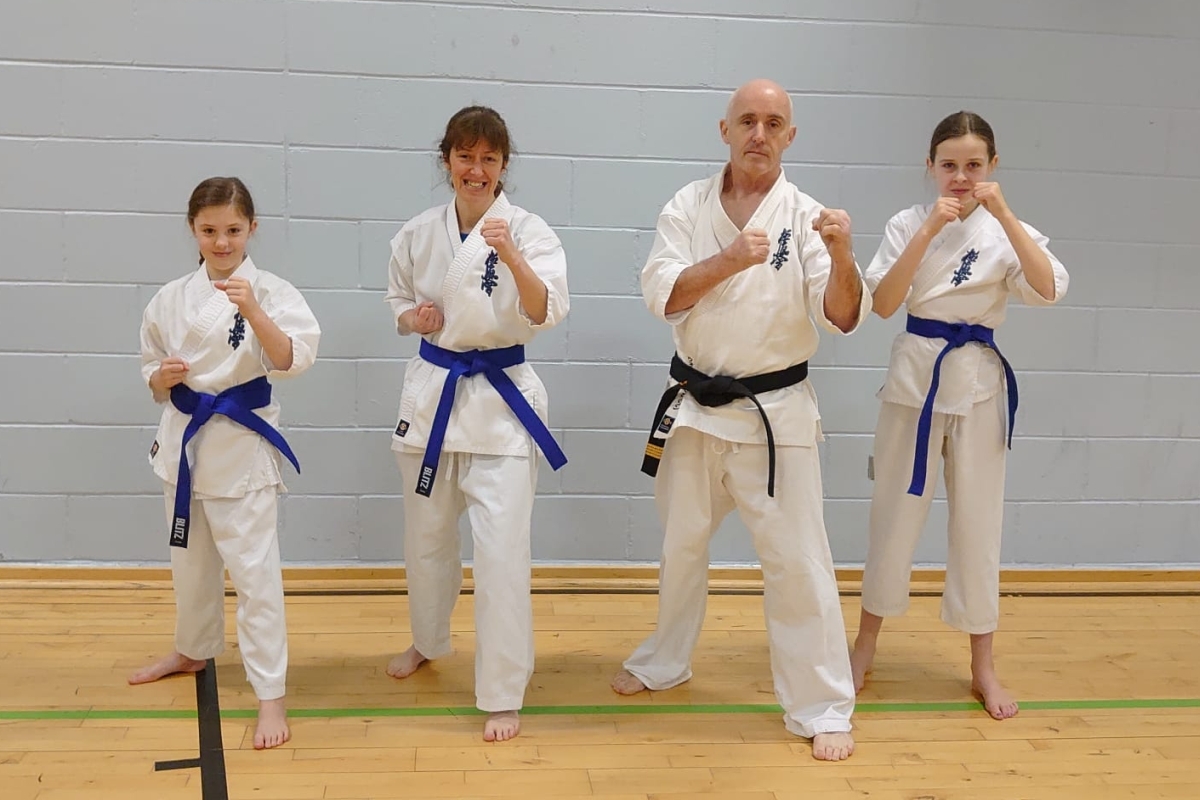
<point>475,151</point>
<point>475,172</point>
<point>222,233</point>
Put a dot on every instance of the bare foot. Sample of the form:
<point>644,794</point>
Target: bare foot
<point>995,698</point>
<point>984,683</point>
<point>625,682</point>
<point>861,658</point>
<point>168,665</point>
<point>501,726</point>
<point>272,729</point>
<point>863,654</point>
<point>406,663</point>
<point>832,746</point>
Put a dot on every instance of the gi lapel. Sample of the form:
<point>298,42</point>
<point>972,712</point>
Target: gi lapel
<point>720,227</point>
<point>940,262</point>
<point>212,308</point>
<point>466,251</point>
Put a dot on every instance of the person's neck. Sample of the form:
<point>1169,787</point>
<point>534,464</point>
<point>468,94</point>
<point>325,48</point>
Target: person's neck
<point>469,215</point>
<point>222,275</point>
<point>740,184</point>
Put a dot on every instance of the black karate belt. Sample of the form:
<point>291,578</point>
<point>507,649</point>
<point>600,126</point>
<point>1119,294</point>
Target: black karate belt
<point>712,391</point>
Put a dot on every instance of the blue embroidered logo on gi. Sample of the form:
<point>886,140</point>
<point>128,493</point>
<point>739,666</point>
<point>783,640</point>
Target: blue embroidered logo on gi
<point>963,273</point>
<point>781,254</point>
<point>664,427</point>
<point>238,332</point>
<point>402,428</point>
<point>489,274</point>
<point>154,449</point>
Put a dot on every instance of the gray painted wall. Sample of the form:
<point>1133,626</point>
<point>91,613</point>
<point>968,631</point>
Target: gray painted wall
<point>114,110</point>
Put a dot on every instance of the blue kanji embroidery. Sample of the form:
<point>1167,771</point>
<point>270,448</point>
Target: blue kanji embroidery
<point>238,332</point>
<point>781,254</point>
<point>489,273</point>
<point>963,273</point>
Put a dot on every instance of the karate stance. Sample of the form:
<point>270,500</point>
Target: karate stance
<point>210,340</point>
<point>477,279</point>
<point>742,264</point>
<point>954,263</point>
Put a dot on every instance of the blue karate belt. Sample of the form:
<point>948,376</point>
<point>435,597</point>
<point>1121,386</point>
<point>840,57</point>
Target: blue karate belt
<point>956,335</point>
<point>238,404</point>
<point>490,363</point>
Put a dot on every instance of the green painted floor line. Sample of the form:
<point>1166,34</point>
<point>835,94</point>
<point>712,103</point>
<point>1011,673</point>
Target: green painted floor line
<point>631,708</point>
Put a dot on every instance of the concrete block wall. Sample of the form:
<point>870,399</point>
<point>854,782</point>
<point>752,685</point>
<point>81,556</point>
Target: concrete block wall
<point>329,110</point>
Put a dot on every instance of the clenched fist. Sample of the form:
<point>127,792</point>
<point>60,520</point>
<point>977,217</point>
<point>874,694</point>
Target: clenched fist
<point>240,293</point>
<point>750,247</point>
<point>945,210</point>
<point>833,225</point>
<point>989,196</point>
<point>171,372</point>
<point>495,232</point>
<point>425,318</point>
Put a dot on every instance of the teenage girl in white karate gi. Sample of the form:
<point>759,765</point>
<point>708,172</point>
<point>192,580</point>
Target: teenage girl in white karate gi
<point>949,394</point>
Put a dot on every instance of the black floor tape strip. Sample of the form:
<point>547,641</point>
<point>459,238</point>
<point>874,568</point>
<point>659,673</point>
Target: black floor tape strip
<point>213,784</point>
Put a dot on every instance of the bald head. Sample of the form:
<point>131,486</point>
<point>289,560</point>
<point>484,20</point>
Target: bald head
<point>758,128</point>
<point>760,93</point>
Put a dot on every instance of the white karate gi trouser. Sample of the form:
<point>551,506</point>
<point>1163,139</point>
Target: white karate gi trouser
<point>973,446</point>
<point>497,494</point>
<point>700,480</point>
<point>238,534</point>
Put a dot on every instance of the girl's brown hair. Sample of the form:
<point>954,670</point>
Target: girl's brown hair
<point>220,192</point>
<point>961,123</point>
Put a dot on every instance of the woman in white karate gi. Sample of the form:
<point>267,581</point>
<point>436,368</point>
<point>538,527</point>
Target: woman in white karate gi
<point>949,393</point>
<point>477,279</point>
<point>210,340</point>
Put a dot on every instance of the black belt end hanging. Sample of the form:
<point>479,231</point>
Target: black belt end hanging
<point>661,426</point>
<point>426,479</point>
<point>179,532</point>
<point>654,453</point>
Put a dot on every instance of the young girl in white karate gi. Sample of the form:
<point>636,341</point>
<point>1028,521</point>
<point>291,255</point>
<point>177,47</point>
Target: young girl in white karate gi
<point>210,340</point>
<point>477,279</point>
<point>949,393</point>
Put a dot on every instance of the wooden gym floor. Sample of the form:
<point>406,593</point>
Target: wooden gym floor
<point>1108,675</point>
